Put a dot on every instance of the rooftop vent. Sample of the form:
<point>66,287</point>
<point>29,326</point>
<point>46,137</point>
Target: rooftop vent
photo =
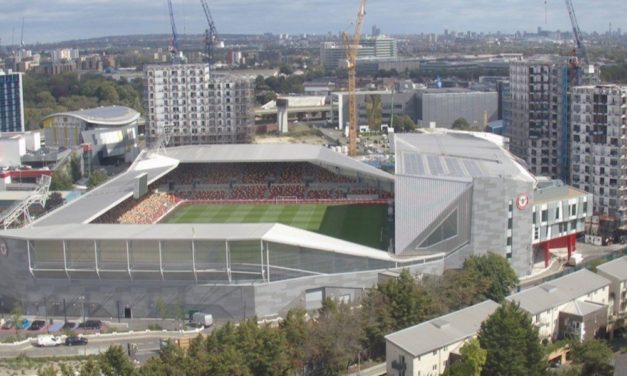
<point>549,288</point>
<point>441,324</point>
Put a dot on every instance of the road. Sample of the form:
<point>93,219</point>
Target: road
<point>147,345</point>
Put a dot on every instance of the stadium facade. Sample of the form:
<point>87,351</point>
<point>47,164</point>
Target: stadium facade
<point>455,195</point>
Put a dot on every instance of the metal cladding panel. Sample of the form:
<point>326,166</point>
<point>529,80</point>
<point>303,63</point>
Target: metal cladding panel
<point>419,202</point>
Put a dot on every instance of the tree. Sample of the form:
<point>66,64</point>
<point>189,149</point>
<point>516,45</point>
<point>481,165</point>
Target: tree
<point>461,124</point>
<point>499,273</point>
<point>89,368</point>
<point>61,181</point>
<point>594,356</point>
<point>403,123</point>
<point>376,323</point>
<point>53,201</point>
<point>408,304</point>
<point>162,308</point>
<point>297,334</point>
<point>472,362</point>
<point>374,111</point>
<point>512,343</point>
<point>114,362</point>
<point>48,370</point>
<point>16,317</point>
<point>75,168</point>
<point>96,178</point>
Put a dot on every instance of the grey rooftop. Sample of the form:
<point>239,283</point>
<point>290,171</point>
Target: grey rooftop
<point>444,330</point>
<point>559,291</point>
<point>616,268</point>
<point>111,115</point>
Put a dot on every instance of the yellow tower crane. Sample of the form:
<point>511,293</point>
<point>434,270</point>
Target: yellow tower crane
<point>351,48</point>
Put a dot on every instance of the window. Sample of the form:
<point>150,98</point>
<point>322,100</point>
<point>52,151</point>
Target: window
<point>446,230</point>
<point>557,212</point>
<point>573,209</point>
<point>509,224</point>
<point>545,215</point>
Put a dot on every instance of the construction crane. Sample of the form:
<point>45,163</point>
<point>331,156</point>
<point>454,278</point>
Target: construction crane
<point>580,52</point>
<point>211,33</point>
<point>174,43</point>
<point>351,48</point>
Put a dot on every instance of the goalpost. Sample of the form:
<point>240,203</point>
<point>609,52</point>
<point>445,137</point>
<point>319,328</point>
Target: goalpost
<point>286,199</point>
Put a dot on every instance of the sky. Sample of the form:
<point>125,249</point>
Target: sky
<point>59,20</point>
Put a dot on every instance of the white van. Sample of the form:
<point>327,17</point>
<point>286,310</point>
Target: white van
<point>48,341</point>
<point>202,319</point>
<point>575,259</point>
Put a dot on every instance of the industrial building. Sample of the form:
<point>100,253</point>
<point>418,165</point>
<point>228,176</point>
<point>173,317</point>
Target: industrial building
<point>11,102</point>
<point>333,55</point>
<point>198,107</point>
<point>463,193</point>
<point>598,117</point>
<point>110,132</point>
<point>539,126</point>
<point>441,107</point>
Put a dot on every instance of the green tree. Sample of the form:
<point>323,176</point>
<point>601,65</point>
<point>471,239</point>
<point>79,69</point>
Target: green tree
<point>472,362</point>
<point>403,123</point>
<point>377,322</point>
<point>16,317</point>
<point>374,111</point>
<point>499,273</point>
<point>297,334</point>
<point>75,168</point>
<point>48,370</point>
<point>162,309</point>
<point>461,124</point>
<point>89,368</point>
<point>594,356</point>
<point>61,181</point>
<point>512,343</point>
<point>53,201</point>
<point>96,178</point>
<point>115,362</point>
<point>456,298</point>
<point>408,304</point>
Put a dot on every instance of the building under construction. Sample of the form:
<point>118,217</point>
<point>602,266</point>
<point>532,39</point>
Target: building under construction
<point>196,106</point>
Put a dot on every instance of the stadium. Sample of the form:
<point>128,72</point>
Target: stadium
<point>243,230</point>
<point>233,230</point>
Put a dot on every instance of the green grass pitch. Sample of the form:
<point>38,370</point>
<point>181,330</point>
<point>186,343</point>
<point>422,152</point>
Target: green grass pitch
<point>362,224</point>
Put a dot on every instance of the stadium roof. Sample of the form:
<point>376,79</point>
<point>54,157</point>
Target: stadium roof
<point>271,232</point>
<point>558,291</point>
<point>450,154</point>
<point>111,115</point>
<point>444,330</point>
<point>616,268</point>
<point>272,153</point>
<point>95,203</point>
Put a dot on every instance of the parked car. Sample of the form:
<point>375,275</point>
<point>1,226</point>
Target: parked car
<point>69,325</point>
<point>202,319</point>
<point>75,341</point>
<point>90,325</point>
<point>24,324</point>
<point>48,341</point>
<point>8,324</point>
<point>37,325</point>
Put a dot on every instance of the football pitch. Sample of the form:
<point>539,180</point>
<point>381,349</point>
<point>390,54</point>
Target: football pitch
<point>362,224</point>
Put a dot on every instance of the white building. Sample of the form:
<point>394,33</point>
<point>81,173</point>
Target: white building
<point>598,116</point>
<point>616,272</point>
<point>581,292</point>
<point>427,348</point>
<point>199,108</point>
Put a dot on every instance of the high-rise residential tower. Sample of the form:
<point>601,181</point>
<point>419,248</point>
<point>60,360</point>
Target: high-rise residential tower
<point>199,107</point>
<point>599,151</point>
<point>11,102</point>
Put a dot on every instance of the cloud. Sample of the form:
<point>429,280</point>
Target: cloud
<point>54,20</point>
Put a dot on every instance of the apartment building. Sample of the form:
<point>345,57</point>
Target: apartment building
<point>332,54</point>
<point>574,305</point>
<point>428,348</point>
<point>598,148</point>
<point>11,102</point>
<point>616,272</point>
<point>198,107</point>
<point>539,125</point>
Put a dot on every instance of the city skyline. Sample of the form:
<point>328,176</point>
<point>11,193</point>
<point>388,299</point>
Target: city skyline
<point>60,20</point>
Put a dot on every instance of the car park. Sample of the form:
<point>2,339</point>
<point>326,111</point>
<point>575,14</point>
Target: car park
<point>24,324</point>
<point>75,341</point>
<point>8,324</point>
<point>69,325</point>
<point>90,325</point>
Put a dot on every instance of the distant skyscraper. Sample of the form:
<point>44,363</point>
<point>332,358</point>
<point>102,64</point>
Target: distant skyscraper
<point>11,102</point>
<point>199,107</point>
<point>598,150</point>
<point>539,126</point>
<point>331,53</point>
<point>375,31</point>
